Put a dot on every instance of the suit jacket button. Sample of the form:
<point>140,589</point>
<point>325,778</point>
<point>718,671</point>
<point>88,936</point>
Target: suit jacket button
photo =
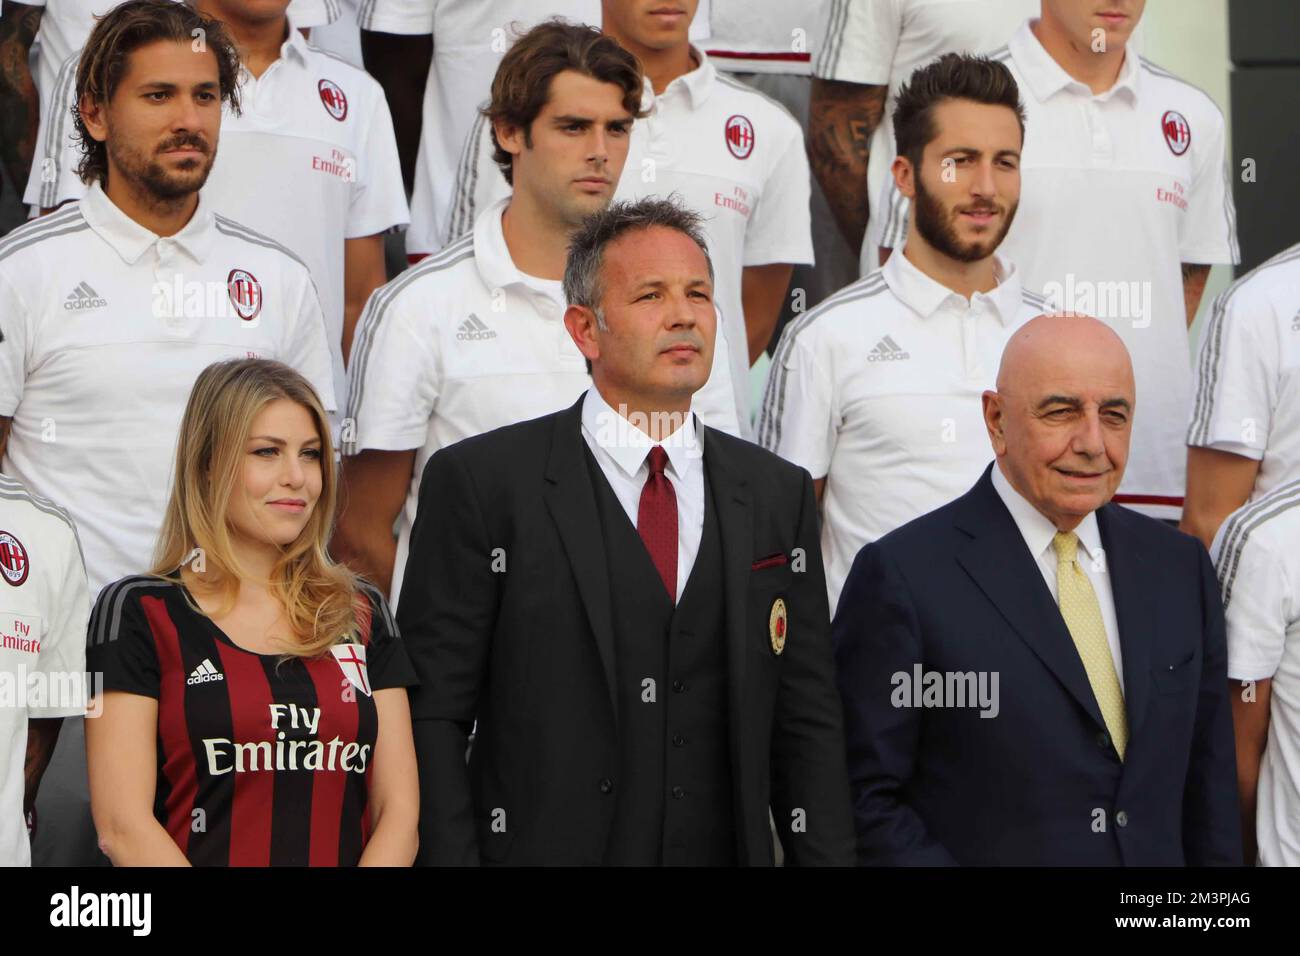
<point>1121,819</point>
<point>679,740</point>
<point>679,686</point>
<point>1103,740</point>
<point>678,793</point>
<point>606,785</point>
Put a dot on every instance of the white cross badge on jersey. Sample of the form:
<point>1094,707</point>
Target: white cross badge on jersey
<point>352,661</point>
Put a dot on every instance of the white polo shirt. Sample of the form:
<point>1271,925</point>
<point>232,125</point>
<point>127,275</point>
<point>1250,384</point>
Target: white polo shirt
<point>1118,189</point>
<point>96,363</point>
<point>761,36</point>
<point>1247,398</point>
<point>878,390</point>
<point>469,39</point>
<point>1255,555</point>
<point>881,43</point>
<point>463,343</point>
<point>44,606</point>
<point>311,162</point>
<point>726,151</point>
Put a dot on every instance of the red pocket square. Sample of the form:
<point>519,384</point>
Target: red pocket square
<point>771,561</point>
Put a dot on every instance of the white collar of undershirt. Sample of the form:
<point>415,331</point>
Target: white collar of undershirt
<point>628,445</point>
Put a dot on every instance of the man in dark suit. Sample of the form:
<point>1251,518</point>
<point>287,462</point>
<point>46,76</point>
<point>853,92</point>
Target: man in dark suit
<point>1030,674</point>
<point>631,605</point>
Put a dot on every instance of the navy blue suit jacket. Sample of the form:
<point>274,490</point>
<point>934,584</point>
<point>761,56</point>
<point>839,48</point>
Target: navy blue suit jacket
<point>1040,783</point>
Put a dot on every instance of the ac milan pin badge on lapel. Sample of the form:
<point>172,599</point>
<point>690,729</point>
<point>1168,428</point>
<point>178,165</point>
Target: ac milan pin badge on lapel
<point>776,626</point>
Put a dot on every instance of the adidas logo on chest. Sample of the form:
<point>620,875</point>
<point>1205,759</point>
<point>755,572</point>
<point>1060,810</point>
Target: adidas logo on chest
<point>83,298</point>
<point>887,350</point>
<point>474,329</point>
<point>205,673</point>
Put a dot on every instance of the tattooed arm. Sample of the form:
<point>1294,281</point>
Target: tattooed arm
<point>841,120</point>
<point>19,104</point>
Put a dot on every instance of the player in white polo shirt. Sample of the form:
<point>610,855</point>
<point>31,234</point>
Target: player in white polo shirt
<point>728,152</point>
<point>111,306</point>
<point>877,391</point>
<point>865,50</point>
<point>472,338</point>
<point>44,606</point>
<point>1244,437</point>
<point>52,31</point>
<point>1258,564</point>
<point>1124,206</point>
<point>309,161</point>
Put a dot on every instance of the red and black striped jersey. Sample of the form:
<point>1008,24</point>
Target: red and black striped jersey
<point>262,760</point>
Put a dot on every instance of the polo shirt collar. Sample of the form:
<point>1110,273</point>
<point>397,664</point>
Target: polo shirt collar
<point>295,44</point>
<point>698,83</point>
<point>492,256</point>
<point>925,296</point>
<point>629,445</point>
<point>130,240</point>
<point>1045,77</point>
<point>1035,527</point>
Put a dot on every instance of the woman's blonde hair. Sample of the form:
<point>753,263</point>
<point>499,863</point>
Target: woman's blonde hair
<point>319,596</point>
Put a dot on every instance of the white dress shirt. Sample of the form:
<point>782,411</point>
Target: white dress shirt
<point>1038,532</point>
<point>621,449</point>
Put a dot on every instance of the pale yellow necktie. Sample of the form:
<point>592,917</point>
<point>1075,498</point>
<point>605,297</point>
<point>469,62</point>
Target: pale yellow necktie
<point>1082,616</point>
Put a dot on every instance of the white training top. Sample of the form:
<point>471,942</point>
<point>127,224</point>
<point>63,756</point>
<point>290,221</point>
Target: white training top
<point>726,151</point>
<point>469,39</point>
<point>761,36</point>
<point>878,390</point>
<point>881,43</point>
<point>1255,555</point>
<point>105,327</point>
<point>1247,398</point>
<point>1118,189</point>
<point>44,606</point>
<point>310,162</point>
<point>464,343</point>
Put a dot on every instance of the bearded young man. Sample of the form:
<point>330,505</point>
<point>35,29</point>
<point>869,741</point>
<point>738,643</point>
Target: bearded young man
<point>877,391</point>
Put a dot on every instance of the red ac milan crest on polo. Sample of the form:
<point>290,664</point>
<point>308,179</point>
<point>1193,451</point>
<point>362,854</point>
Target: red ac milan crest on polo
<point>740,137</point>
<point>13,559</point>
<point>336,102</point>
<point>1177,133</point>
<point>245,293</point>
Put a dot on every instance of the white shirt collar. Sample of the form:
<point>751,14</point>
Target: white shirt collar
<point>492,255</point>
<point>1036,528</point>
<point>924,295</point>
<point>131,240</point>
<point>295,42</point>
<point>629,445</point>
<point>698,83</point>
<point>1045,77</point>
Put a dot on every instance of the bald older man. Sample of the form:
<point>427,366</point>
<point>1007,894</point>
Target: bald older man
<point>1031,674</point>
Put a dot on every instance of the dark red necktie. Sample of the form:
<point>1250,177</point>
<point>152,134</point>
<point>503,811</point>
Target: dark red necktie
<point>656,519</point>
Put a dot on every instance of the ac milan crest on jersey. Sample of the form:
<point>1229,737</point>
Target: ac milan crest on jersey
<point>334,99</point>
<point>352,661</point>
<point>13,559</point>
<point>1177,133</point>
<point>245,293</point>
<point>740,137</point>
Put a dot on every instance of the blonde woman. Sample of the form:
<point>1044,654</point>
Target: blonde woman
<point>254,702</point>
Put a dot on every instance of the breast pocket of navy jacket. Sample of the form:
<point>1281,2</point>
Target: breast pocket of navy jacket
<point>1177,677</point>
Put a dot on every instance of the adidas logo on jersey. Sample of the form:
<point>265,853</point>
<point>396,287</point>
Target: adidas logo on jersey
<point>887,350</point>
<point>205,673</point>
<point>473,330</point>
<point>83,297</point>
